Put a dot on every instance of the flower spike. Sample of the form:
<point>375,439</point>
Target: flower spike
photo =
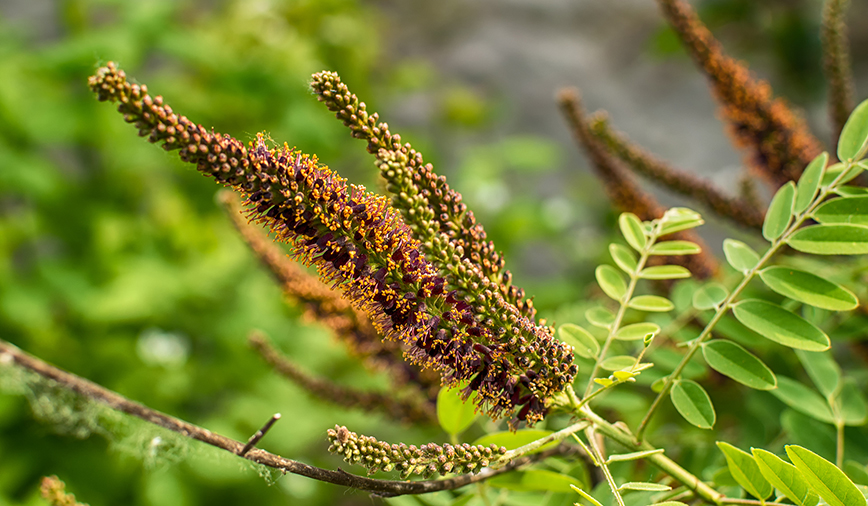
<point>361,245</point>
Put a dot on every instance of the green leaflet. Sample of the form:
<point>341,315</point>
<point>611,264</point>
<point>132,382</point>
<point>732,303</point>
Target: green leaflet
<point>637,331</point>
<point>693,403</point>
<point>739,255</point>
<point>852,210</point>
<point>745,470</point>
<point>822,369</point>
<point>675,248</point>
<point>808,288</point>
<point>664,272</point>
<point>454,414</point>
<point>850,404</point>
<point>785,477</point>
<point>645,486</point>
<point>780,212</point>
<point>777,324</point>
<point>623,257</point>
<point>827,480</point>
<point>580,339</point>
<point>854,135</point>
<point>631,228</point>
<point>709,296</point>
<point>618,362</point>
<point>651,303</point>
<point>611,281</point>
<point>809,182</point>
<point>677,219</point>
<point>803,399</point>
<point>730,359</point>
<point>624,457</point>
<point>835,239</point>
<point>600,317</point>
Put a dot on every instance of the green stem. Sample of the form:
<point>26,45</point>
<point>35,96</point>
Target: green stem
<point>601,461</point>
<point>534,445</point>
<point>664,463</point>
<point>727,304</point>
<point>634,279</point>
<point>839,447</point>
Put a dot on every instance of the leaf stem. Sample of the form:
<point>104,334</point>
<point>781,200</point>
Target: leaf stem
<point>727,304</point>
<point>634,279</point>
<point>601,463</point>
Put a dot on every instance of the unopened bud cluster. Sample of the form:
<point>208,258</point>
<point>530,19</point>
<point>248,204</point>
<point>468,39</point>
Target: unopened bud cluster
<point>452,318</point>
<point>426,460</point>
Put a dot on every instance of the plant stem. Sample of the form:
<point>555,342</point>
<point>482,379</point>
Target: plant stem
<point>601,461</point>
<point>534,445</point>
<point>634,279</point>
<point>839,447</point>
<point>664,463</point>
<point>727,304</point>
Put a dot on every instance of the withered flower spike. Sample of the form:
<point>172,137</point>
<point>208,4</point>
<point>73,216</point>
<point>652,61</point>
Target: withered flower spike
<point>409,409</point>
<point>424,199</point>
<point>778,141</point>
<point>325,305</point>
<point>621,187</point>
<point>360,245</point>
<point>427,460</point>
<point>836,64</point>
<point>685,183</point>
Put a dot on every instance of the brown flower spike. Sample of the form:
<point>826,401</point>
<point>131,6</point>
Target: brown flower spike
<point>778,141</point>
<point>360,245</point>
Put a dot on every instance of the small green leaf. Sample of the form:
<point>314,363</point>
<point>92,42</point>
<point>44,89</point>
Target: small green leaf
<point>709,296</point>
<point>851,191</point>
<point>731,360</point>
<point>834,171</point>
<point>600,317</point>
<point>808,288</point>
<point>580,339</point>
<point>677,219</point>
<point>586,495</point>
<point>779,325</point>
<point>745,471</point>
<point>803,399</point>
<point>611,281</point>
<point>637,331</point>
<point>780,212</point>
<point>675,248</point>
<point>645,486</point>
<point>618,363</point>
<point>850,210</point>
<point>784,477</point>
<point>454,414</point>
<point>809,182</point>
<point>664,272</point>
<point>693,403</point>
<point>651,303</point>
<point>822,369</point>
<point>624,457</point>
<point>623,257</point>
<point>850,404</point>
<point>534,479</point>
<point>827,480</point>
<point>631,228</point>
<point>624,375</point>
<point>854,135</point>
<point>739,255</point>
<point>831,240</point>
<point>512,440</point>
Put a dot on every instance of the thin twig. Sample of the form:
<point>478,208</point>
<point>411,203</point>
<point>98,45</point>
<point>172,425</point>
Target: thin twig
<point>259,434</point>
<point>836,64</point>
<point>404,409</point>
<point>384,488</point>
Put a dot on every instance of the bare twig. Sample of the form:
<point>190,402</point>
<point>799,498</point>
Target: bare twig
<point>10,354</point>
<point>622,188</point>
<point>685,183</point>
<point>836,64</point>
<point>259,434</point>
<point>402,409</point>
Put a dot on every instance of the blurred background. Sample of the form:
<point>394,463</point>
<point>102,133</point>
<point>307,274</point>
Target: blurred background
<point>117,264</point>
